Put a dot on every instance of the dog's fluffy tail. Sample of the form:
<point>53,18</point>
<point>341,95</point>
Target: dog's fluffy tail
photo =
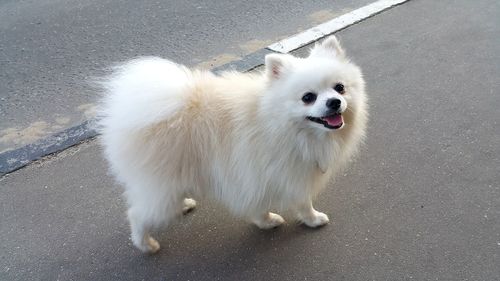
<point>142,92</point>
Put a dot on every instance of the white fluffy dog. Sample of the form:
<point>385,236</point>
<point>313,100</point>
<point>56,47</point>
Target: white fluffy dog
<point>255,142</point>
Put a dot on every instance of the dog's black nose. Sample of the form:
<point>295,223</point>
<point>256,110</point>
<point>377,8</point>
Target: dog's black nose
<point>333,104</point>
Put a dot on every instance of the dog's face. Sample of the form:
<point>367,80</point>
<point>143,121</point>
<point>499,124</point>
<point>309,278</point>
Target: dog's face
<point>320,91</point>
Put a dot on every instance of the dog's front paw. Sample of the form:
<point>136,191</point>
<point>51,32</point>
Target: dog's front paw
<point>316,219</point>
<point>268,221</point>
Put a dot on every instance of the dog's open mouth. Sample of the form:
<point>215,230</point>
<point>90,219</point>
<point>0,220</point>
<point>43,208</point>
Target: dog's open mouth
<point>334,121</point>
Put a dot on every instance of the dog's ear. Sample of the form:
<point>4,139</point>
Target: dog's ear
<point>276,65</point>
<point>329,47</point>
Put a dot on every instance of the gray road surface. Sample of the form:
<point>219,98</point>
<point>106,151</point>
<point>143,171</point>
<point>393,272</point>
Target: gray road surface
<point>421,203</point>
<point>50,49</point>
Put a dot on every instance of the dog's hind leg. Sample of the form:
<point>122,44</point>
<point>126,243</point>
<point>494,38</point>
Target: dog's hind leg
<point>268,220</point>
<point>140,228</point>
<point>309,216</point>
<point>149,210</point>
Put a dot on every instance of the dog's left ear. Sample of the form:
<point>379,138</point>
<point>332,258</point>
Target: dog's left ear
<point>329,47</point>
<point>277,65</point>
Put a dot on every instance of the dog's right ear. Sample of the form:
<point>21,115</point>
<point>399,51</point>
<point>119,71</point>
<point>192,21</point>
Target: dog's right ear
<point>330,47</point>
<point>276,65</point>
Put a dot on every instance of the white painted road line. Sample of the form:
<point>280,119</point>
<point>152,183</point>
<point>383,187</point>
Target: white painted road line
<point>336,24</point>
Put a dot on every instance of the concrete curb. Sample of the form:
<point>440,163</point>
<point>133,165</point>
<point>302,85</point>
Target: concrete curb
<point>15,159</point>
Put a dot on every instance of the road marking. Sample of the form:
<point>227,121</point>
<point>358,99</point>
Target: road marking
<point>336,24</point>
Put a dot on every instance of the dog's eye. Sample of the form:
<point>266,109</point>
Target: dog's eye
<point>339,88</point>
<point>309,97</point>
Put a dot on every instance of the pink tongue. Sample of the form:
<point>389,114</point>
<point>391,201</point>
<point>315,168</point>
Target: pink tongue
<point>334,121</point>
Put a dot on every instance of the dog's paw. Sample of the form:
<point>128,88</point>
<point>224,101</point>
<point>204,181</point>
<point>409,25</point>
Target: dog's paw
<point>149,245</point>
<point>188,205</point>
<point>316,219</point>
<point>271,220</point>
<point>153,245</point>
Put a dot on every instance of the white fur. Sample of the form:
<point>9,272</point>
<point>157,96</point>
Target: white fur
<point>243,139</point>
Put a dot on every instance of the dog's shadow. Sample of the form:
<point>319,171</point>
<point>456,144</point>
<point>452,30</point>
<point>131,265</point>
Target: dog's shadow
<point>200,247</point>
<point>226,257</point>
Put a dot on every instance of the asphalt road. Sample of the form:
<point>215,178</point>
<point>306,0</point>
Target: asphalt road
<point>422,202</point>
<point>51,49</point>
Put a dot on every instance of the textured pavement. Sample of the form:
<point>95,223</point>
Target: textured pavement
<point>422,201</point>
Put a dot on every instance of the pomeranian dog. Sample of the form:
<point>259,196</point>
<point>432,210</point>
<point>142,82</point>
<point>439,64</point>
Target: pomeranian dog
<point>256,142</point>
